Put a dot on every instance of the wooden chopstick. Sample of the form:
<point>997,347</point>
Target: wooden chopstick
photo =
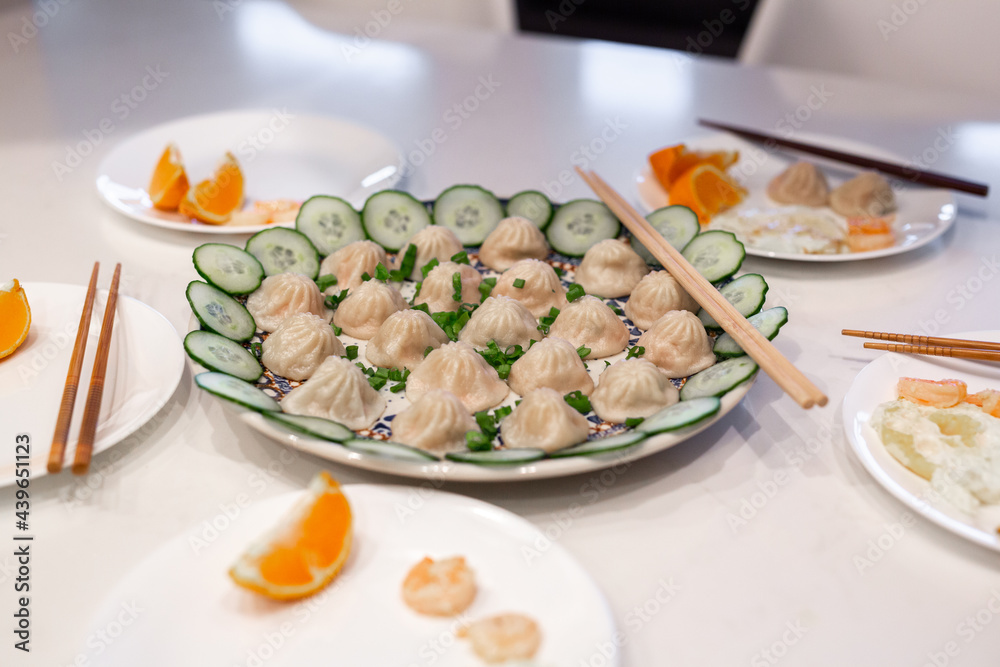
<point>923,340</point>
<point>930,178</point>
<point>757,346</point>
<point>956,352</point>
<point>85,444</point>
<point>58,449</point>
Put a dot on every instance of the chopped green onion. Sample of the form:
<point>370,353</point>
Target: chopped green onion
<point>429,266</point>
<point>424,307</point>
<point>574,292</point>
<point>405,266</point>
<point>559,272</point>
<point>336,330</point>
<point>546,320</point>
<point>486,287</point>
<point>583,351</point>
<point>578,401</point>
<point>519,283</point>
<point>461,257</point>
<point>334,300</point>
<point>428,350</point>
<point>635,352</point>
<point>365,277</point>
<point>632,422</point>
<point>478,442</point>
<point>456,283</point>
<point>396,388</point>
<point>503,412</point>
<point>326,281</point>
<point>351,352</point>
<point>257,349</point>
<point>381,273</point>
<point>616,309</point>
<point>377,382</point>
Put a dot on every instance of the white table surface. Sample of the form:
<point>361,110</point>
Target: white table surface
<point>664,517</point>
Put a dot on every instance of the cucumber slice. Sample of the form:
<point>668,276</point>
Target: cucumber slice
<point>317,427</point>
<point>330,223</point>
<point>235,390</point>
<point>680,415</point>
<point>470,211</point>
<point>610,443</point>
<point>497,457</point>
<point>718,379</point>
<point>676,223</point>
<point>533,205</point>
<point>746,293</point>
<point>220,312</point>
<point>391,217</point>
<point>220,354</point>
<point>283,250</point>
<point>715,254</point>
<point>389,449</point>
<point>578,225</point>
<point>767,322</point>
<point>231,269</point>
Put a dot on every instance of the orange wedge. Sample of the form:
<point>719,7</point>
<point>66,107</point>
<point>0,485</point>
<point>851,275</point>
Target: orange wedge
<point>706,190</point>
<point>305,551</point>
<point>169,183</point>
<point>668,164</point>
<point>214,200</point>
<point>15,317</point>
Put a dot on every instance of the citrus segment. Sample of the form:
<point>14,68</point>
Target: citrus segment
<point>213,200</point>
<point>15,317</point>
<point>169,183</point>
<point>304,552</point>
<point>706,190</point>
<point>670,163</point>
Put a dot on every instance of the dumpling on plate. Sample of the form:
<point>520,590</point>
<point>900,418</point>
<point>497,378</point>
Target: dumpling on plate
<point>632,388</point>
<point>535,284</point>
<point>544,420</point>
<point>433,242</point>
<point>501,319</point>
<point>867,195</point>
<point>350,262</point>
<point>611,269</point>
<point>337,390</point>
<point>403,338</point>
<point>802,183</point>
<point>299,345</point>
<point>657,293</point>
<point>367,307</point>
<point>553,363</point>
<point>589,322</point>
<point>437,422</point>
<point>282,295</point>
<point>678,344</point>
<point>512,240</point>
<point>438,289</point>
<point>461,370</point>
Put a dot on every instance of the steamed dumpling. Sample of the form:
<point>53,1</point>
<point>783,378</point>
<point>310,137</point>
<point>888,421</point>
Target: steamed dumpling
<point>678,344</point>
<point>437,422</point>
<point>867,195</point>
<point>438,288</point>
<point>402,339</point>
<point>337,390</point>
<point>501,319</point>
<point>543,420</point>
<point>802,183</point>
<point>611,269</point>
<point>299,345</point>
<point>656,294</point>
<point>367,307</point>
<point>461,370</point>
<point>350,262</point>
<point>590,323</point>
<point>433,242</point>
<point>553,363</point>
<point>513,239</point>
<point>282,295</point>
<point>632,388</point>
<point>541,290</point>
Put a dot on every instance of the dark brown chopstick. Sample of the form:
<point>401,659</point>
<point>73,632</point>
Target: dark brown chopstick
<point>923,340</point>
<point>58,450</point>
<point>956,352</point>
<point>930,178</point>
<point>92,409</point>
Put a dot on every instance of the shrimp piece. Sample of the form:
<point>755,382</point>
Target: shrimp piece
<point>988,400</point>
<point>503,637</point>
<point>936,393</point>
<point>439,588</point>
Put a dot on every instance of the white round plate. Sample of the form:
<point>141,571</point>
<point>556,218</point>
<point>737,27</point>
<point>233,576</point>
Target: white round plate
<point>283,156</point>
<point>145,365</point>
<point>184,603</point>
<point>876,384</point>
<point>924,214</point>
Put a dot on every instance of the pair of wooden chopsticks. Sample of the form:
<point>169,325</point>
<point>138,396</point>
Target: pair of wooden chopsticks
<point>938,347</point>
<point>88,428</point>
<point>756,345</point>
<point>930,178</point>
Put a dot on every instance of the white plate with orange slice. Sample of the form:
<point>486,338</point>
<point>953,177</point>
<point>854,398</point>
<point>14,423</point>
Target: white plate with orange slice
<point>283,157</point>
<point>922,216</point>
<point>191,608</point>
